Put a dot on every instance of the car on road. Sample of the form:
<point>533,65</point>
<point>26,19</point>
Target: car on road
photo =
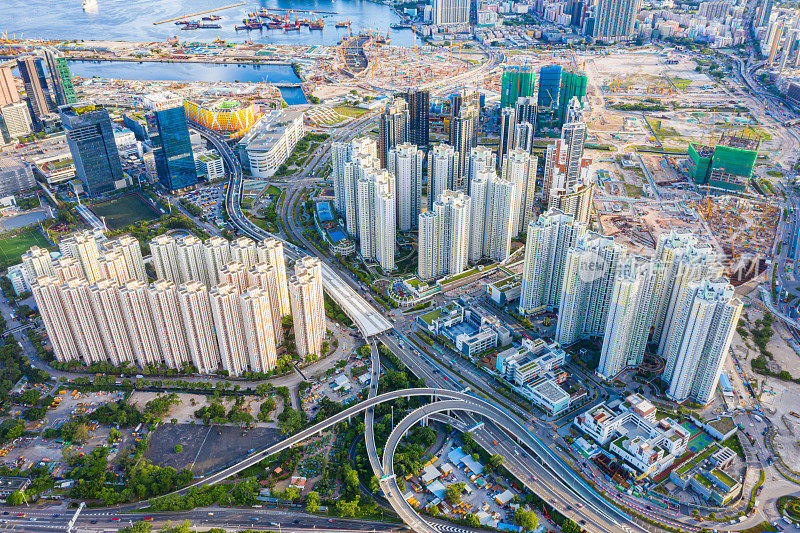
<point>330,520</point>
<point>20,515</point>
<point>115,519</point>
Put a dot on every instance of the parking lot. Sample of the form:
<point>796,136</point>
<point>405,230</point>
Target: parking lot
<point>208,199</point>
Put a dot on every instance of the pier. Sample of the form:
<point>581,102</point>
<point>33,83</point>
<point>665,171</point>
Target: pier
<point>198,13</point>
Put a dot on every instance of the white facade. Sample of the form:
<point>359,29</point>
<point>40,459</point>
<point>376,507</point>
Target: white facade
<point>491,226</point>
<point>108,311</point>
<point>549,238</point>
<point>80,314</point>
<point>129,247</point>
<point>243,250</point>
<point>217,252</point>
<point>308,306</point>
<point>199,324</point>
<point>17,119</point>
<point>444,236</point>
<point>51,305</point>
<point>140,323</point>
<point>163,296</point>
<point>271,251</point>
<point>442,171</point>
<point>404,162</point>
<point>271,140</point>
<point>164,257</point>
<point>377,218</point>
<point>519,167</point>
<point>191,260</point>
<point>234,273</point>
<point>37,263</point>
<point>699,338</point>
<point>259,329</point>
<point>113,267</point>
<point>630,314</point>
<point>344,158</point>
<point>265,276</point>
<point>447,12</point>
<point>226,309</point>
<point>590,269</point>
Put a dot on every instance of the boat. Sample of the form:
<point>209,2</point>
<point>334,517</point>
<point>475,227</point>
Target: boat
<point>184,21</point>
<point>191,26</point>
<point>205,26</point>
<point>315,24</point>
<point>245,27</point>
<point>89,5</point>
<point>274,25</point>
<point>292,26</point>
<point>344,24</point>
<point>212,17</point>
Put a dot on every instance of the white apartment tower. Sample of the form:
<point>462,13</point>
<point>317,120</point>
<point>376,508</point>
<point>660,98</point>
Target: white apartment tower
<point>442,171</point>
<point>446,12</point>
<point>549,238</point>
<point>163,296</point>
<point>107,307</point>
<point>444,236</point>
<point>270,251</point>
<point>629,318</point>
<point>140,323</point>
<point>404,162</point>
<point>264,276</point>
<point>234,273</point>
<point>308,307</point>
<point>199,323</point>
<point>259,329</point>
<point>84,249</point>
<point>243,250</point>
<point>481,159</point>
<point>65,268</point>
<point>344,180</point>
<point>491,226</point>
<point>80,314</point>
<point>37,263</point>
<point>192,259</point>
<point>699,339</point>
<point>376,213</point>
<point>129,247</point>
<point>590,268</point>
<point>226,309</point>
<point>519,167</point>
<point>112,266</point>
<point>217,252</point>
<point>47,293</point>
<point>164,256</point>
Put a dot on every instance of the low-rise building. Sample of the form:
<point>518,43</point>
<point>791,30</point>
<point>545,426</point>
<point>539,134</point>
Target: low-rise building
<point>270,141</point>
<point>9,484</point>
<point>470,328</point>
<point>704,474</point>
<point>16,175</point>
<point>534,371</point>
<point>504,291</point>
<point>646,444</point>
<point>209,165</point>
<point>328,227</point>
<point>56,169</point>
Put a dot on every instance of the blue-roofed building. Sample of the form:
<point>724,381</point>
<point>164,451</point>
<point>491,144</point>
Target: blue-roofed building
<point>328,227</point>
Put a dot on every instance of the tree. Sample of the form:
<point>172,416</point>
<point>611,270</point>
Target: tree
<point>137,527</point>
<point>569,526</point>
<point>496,460</point>
<point>29,397</point>
<point>80,435</point>
<point>471,520</point>
<point>15,498</point>
<point>291,494</point>
<point>178,448</point>
<point>347,508</point>
<point>434,511</point>
<point>312,502</point>
<point>453,493</point>
<point>526,519</point>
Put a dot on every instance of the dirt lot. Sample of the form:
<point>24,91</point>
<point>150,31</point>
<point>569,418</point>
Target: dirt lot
<point>205,449</point>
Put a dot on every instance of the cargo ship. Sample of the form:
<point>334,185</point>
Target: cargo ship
<point>344,24</point>
<point>315,24</point>
<point>274,25</point>
<point>191,26</point>
<point>212,17</point>
<point>206,26</point>
<point>292,26</point>
<point>178,23</point>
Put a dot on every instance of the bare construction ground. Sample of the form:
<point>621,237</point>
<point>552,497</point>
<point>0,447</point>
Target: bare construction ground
<point>205,449</point>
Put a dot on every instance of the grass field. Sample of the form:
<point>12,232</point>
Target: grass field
<point>350,111</point>
<point>12,247</point>
<point>124,211</point>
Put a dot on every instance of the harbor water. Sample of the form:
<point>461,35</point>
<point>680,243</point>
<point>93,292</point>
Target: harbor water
<point>117,20</point>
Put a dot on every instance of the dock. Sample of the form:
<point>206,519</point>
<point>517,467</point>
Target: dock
<point>198,13</point>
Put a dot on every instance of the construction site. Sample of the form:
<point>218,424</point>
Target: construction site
<point>368,57</point>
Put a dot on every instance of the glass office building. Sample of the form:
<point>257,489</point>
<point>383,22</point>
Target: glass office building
<point>172,148</point>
